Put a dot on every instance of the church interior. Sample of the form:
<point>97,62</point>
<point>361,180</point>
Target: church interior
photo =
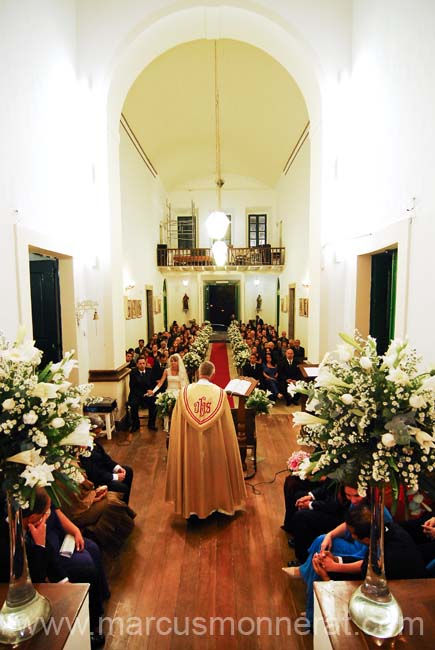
<point>125,126</point>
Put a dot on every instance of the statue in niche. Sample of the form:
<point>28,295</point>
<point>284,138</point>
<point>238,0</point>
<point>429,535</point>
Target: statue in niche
<point>185,302</point>
<point>259,302</point>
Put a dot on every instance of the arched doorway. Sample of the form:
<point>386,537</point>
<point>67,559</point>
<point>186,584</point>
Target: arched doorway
<point>238,23</point>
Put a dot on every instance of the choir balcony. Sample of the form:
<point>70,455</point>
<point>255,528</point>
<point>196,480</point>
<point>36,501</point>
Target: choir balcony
<point>262,258</point>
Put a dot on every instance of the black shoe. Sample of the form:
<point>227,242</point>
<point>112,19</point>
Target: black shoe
<point>97,640</point>
<point>152,427</point>
<point>294,563</point>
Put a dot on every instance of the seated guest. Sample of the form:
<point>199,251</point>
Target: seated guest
<point>141,395</point>
<point>102,515</point>
<point>320,509</point>
<point>288,374</point>
<point>129,359</point>
<point>253,368</point>
<point>140,350</point>
<point>101,469</point>
<point>153,355</point>
<point>299,351</point>
<point>422,531</point>
<point>401,555</point>
<point>270,377</point>
<point>46,528</point>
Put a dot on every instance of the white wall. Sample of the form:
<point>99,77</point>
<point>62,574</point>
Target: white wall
<point>388,160</point>
<point>293,208</point>
<point>142,207</point>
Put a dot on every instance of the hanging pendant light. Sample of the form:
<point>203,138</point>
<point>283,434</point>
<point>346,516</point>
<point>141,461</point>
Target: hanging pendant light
<point>217,222</point>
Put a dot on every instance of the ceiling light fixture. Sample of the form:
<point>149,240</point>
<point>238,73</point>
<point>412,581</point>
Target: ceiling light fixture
<point>217,222</point>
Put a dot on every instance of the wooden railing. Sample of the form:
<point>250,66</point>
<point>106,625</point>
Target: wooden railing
<point>239,257</point>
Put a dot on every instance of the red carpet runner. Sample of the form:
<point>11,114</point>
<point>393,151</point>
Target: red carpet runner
<point>219,357</point>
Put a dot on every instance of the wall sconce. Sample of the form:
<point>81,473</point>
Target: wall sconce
<point>305,284</point>
<point>185,283</point>
<point>129,287</point>
<point>257,283</point>
<point>84,306</point>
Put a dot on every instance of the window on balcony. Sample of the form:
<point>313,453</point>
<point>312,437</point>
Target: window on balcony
<point>186,231</point>
<point>257,229</point>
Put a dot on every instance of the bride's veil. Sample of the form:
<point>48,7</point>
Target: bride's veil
<point>184,380</point>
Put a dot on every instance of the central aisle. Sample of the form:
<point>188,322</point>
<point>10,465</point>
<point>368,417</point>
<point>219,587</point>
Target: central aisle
<point>171,571</point>
<point>219,357</point>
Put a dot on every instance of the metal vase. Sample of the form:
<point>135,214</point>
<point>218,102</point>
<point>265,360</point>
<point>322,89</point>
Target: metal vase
<point>372,606</point>
<point>24,611</point>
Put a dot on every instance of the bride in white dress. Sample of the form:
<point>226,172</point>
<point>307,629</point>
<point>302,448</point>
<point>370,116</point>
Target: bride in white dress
<point>176,376</point>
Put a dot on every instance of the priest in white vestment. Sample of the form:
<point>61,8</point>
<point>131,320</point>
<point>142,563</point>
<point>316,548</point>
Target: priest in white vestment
<point>204,471</point>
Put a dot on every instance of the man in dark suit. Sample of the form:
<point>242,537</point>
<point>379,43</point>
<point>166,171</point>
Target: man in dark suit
<point>252,368</point>
<point>101,469</point>
<point>141,394</point>
<point>299,352</point>
<point>288,373</point>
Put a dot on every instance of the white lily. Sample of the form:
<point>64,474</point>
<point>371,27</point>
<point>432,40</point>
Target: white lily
<point>425,440</point>
<point>303,418</point>
<point>23,353</point>
<point>65,366</point>
<point>40,475</point>
<point>346,398</point>
<point>80,436</point>
<point>345,352</point>
<point>30,457</point>
<point>398,376</point>
<point>429,383</point>
<point>417,401</point>
<point>327,379</point>
<point>45,391</point>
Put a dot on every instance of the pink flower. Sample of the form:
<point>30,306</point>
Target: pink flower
<point>296,459</point>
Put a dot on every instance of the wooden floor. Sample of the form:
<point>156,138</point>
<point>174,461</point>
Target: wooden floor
<point>172,577</point>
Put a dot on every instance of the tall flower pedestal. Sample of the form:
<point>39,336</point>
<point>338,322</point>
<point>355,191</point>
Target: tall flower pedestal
<point>24,611</point>
<point>372,606</point>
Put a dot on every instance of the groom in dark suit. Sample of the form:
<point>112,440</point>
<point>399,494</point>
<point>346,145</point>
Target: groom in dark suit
<point>288,373</point>
<point>141,394</point>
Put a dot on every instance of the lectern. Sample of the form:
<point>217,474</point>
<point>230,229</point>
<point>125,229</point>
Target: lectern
<point>242,388</point>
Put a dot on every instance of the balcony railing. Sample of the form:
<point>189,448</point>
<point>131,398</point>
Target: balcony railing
<point>237,257</point>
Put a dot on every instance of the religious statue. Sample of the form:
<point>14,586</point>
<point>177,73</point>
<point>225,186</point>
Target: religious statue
<point>259,302</point>
<point>185,302</point>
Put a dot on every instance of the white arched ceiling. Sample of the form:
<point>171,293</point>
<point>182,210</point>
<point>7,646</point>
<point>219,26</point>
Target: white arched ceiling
<point>224,22</point>
<point>171,110</point>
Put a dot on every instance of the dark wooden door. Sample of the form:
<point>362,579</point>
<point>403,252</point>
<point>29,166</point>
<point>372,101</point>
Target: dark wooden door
<point>221,301</point>
<point>45,295</point>
<point>383,298</point>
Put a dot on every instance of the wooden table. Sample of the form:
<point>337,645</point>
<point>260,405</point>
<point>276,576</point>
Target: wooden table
<point>334,630</point>
<point>70,618</point>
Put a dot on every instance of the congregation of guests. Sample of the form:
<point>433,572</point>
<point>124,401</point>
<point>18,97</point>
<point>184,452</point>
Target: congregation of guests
<point>273,361</point>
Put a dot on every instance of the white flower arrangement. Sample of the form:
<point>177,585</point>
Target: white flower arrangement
<point>240,349</point>
<point>192,360</point>
<point>41,425</point>
<point>371,416</point>
<point>165,402</point>
<point>259,401</point>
